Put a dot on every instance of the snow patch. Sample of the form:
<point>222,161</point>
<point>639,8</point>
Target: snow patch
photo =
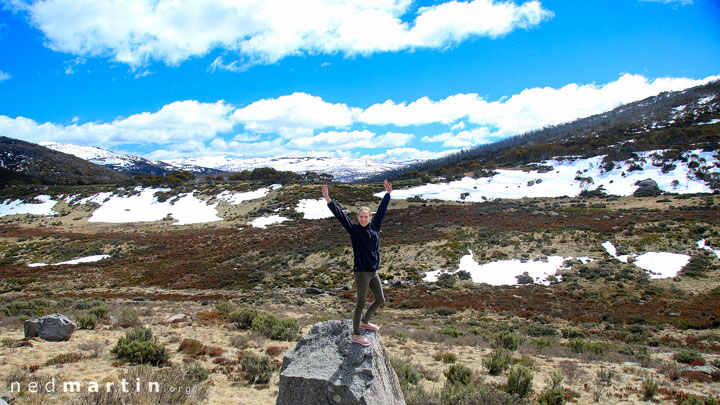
<point>44,206</point>
<point>313,209</point>
<point>264,222</point>
<point>88,259</point>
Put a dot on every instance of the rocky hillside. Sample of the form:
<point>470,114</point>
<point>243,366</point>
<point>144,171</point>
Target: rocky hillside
<point>683,120</point>
<point>124,162</point>
<point>28,163</point>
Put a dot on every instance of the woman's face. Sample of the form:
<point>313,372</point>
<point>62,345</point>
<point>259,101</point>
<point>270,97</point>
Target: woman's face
<point>363,218</point>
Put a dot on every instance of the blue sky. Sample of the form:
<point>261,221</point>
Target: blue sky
<point>390,79</point>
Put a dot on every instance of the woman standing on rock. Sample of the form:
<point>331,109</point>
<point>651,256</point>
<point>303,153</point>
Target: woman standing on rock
<point>365,239</point>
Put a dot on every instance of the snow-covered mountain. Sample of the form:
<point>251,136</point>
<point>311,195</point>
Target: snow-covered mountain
<point>342,169</point>
<point>120,161</point>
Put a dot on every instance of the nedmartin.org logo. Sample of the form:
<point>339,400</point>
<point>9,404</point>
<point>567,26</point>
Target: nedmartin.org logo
<point>92,386</point>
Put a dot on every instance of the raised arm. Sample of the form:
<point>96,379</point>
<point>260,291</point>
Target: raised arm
<point>382,209</point>
<point>336,210</point>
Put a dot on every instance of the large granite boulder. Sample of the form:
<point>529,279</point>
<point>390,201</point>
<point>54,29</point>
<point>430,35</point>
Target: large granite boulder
<point>55,328</point>
<point>327,368</point>
<point>647,188</point>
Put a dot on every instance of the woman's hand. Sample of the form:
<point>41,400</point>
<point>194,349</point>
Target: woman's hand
<point>388,187</point>
<point>325,194</point>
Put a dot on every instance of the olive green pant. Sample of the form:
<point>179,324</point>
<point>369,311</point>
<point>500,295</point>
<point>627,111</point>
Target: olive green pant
<point>365,280</point>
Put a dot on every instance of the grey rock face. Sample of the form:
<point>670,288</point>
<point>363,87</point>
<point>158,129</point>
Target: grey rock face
<point>647,188</point>
<point>54,328</point>
<point>327,368</point>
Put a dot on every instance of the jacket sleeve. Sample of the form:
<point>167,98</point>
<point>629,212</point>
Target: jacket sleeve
<point>340,215</point>
<point>380,213</point>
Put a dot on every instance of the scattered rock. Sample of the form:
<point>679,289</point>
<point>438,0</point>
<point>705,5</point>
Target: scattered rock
<point>175,318</point>
<point>53,328</point>
<point>524,278</point>
<point>7,397</point>
<point>314,291</point>
<point>327,368</point>
<point>346,287</point>
<point>112,319</point>
<point>538,213</point>
<point>647,188</point>
<point>553,213</point>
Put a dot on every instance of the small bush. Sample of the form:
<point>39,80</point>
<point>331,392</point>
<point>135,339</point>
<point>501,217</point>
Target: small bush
<point>697,267</point>
<point>445,357</point>
<point>192,347</point>
<point>87,321</point>
<point>451,331</point>
<point>139,347</point>
<point>497,361</point>
<point>243,317</point>
<point>278,329</point>
<point>649,388</point>
<point>688,356</point>
<point>128,317</point>
<point>65,358</point>
<point>605,376</point>
<point>445,311</point>
<point>507,341</point>
<point>257,369</point>
<point>225,307</point>
<point>196,372</point>
<point>100,311</point>
<point>519,381</point>
<point>459,374</point>
<point>407,373</point>
<point>554,393</point>
<point>541,343</point>
<point>446,280</point>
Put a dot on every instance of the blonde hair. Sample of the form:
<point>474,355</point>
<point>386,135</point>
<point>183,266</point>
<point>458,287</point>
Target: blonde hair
<point>364,209</point>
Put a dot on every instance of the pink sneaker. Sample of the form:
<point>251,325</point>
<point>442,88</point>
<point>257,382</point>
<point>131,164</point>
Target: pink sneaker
<point>369,326</point>
<point>361,341</point>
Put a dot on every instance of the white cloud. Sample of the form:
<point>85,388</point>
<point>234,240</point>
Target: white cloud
<point>293,116</point>
<point>181,121</point>
<point>421,111</point>
<point>462,139</point>
<point>530,109</point>
<point>71,66</point>
<point>350,140</point>
<point>265,31</point>
<point>4,76</point>
<point>680,2</point>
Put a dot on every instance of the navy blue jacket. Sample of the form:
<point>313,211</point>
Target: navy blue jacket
<point>365,240</point>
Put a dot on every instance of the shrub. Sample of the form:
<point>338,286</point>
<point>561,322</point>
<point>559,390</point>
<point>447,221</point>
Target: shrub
<point>519,381</point>
<point>497,361</point>
<point>605,376</point>
<point>445,311</point>
<point>65,358</point>
<point>128,317</point>
<point>139,347</point>
<point>507,341</point>
<point>243,317</point>
<point>100,311</point>
<point>445,357</point>
<point>649,388</point>
<point>196,372</point>
<point>407,373</point>
<point>278,329</point>
<point>697,267</point>
<point>459,374</point>
<point>688,356</point>
<point>192,347</point>
<point>87,321</point>
<point>257,369</point>
<point>225,307</point>
<point>554,393</point>
<point>541,343</point>
<point>451,331</point>
<point>446,280</point>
